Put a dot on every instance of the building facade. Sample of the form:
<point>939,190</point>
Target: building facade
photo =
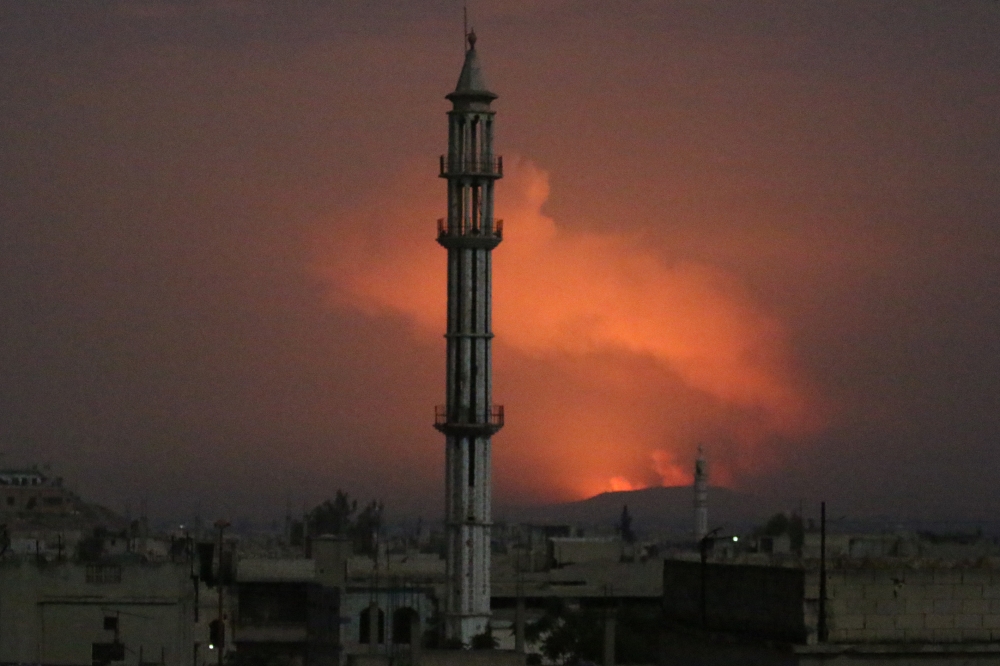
<point>74,613</point>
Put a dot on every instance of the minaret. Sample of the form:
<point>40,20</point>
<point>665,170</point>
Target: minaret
<point>700,496</point>
<point>468,419</point>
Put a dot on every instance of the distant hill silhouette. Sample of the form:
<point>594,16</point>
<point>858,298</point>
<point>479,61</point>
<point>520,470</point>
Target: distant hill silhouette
<point>663,509</point>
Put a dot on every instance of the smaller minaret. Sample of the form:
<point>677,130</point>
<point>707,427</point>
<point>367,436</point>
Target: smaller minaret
<point>700,496</point>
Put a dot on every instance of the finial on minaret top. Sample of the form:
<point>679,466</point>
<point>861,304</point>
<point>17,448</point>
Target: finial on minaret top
<point>471,85</point>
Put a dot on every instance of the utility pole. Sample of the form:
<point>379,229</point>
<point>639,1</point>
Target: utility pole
<point>703,543</point>
<point>519,608</point>
<point>821,628</point>
<point>222,524</point>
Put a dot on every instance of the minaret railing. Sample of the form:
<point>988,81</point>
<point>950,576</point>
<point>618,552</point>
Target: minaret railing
<point>468,166</point>
<point>485,229</point>
<point>464,418</point>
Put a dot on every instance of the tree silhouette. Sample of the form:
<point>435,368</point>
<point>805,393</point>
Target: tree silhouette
<point>340,517</point>
<point>625,526</point>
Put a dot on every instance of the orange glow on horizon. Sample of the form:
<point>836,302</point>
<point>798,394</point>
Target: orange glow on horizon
<point>655,356</point>
<point>619,483</point>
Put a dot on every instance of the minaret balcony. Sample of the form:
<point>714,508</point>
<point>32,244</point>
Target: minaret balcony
<point>462,422</point>
<point>484,236</point>
<point>490,167</point>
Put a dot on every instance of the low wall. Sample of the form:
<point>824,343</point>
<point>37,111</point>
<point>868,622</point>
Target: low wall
<point>443,658</point>
<point>762,600</point>
<point>938,605</point>
<point>883,602</point>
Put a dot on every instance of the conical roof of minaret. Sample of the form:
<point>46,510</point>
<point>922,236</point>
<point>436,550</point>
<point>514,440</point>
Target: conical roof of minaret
<point>471,82</point>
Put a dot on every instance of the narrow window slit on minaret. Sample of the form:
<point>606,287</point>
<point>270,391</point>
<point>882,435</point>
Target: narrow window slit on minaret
<point>475,208</point>
<point>474,142</point>
<point>472,465</point>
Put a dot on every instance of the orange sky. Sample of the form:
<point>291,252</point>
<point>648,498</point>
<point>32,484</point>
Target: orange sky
<point>601,303</point>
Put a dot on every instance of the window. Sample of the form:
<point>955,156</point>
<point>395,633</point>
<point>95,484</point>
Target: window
<point>104,573</point>
<point>364,634</point>
<point>404,621</point>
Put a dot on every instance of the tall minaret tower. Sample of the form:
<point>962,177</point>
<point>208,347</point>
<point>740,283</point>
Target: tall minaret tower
<point>700,496</point>
<point>468,419</point>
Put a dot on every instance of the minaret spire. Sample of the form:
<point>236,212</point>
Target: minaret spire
<point>468,419</point>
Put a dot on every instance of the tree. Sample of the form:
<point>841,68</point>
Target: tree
<point>333,517</point>
<point>781,523</point>
<point>91,547</point>
<point>485,640</point>
<point>341,518</point>
<point>567,635</point>
<point>364,532</point>
<point>625,526</point>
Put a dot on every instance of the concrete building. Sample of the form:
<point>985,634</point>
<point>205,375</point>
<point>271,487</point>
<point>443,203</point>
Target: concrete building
<point>468,418</point>
<point>88,613</point>
<point>335,606</point>
<point>540,567</point>
<point>29,490</point>
<point>284,613</point>
<point>874,610</point>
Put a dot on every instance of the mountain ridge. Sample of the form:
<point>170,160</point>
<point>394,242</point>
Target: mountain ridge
<point>655,509</point>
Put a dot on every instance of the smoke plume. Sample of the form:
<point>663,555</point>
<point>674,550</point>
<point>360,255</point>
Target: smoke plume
<point>613,362</point>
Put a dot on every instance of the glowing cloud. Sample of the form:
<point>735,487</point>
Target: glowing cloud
<point>670,472</point>
<point>598,298</point>
<point>619,483</point>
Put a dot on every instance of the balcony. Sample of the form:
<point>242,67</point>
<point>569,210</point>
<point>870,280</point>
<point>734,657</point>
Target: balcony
<point>492,230</point>
<point>479,424</point>
<point>491,167</point>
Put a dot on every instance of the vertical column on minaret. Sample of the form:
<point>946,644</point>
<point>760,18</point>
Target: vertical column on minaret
<point>700,496</point>
<point>468,419</point>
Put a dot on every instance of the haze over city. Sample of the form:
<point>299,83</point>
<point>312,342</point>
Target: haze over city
<point>766,227</point>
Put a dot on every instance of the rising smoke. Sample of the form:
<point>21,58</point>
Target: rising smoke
<point>613,362</point>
